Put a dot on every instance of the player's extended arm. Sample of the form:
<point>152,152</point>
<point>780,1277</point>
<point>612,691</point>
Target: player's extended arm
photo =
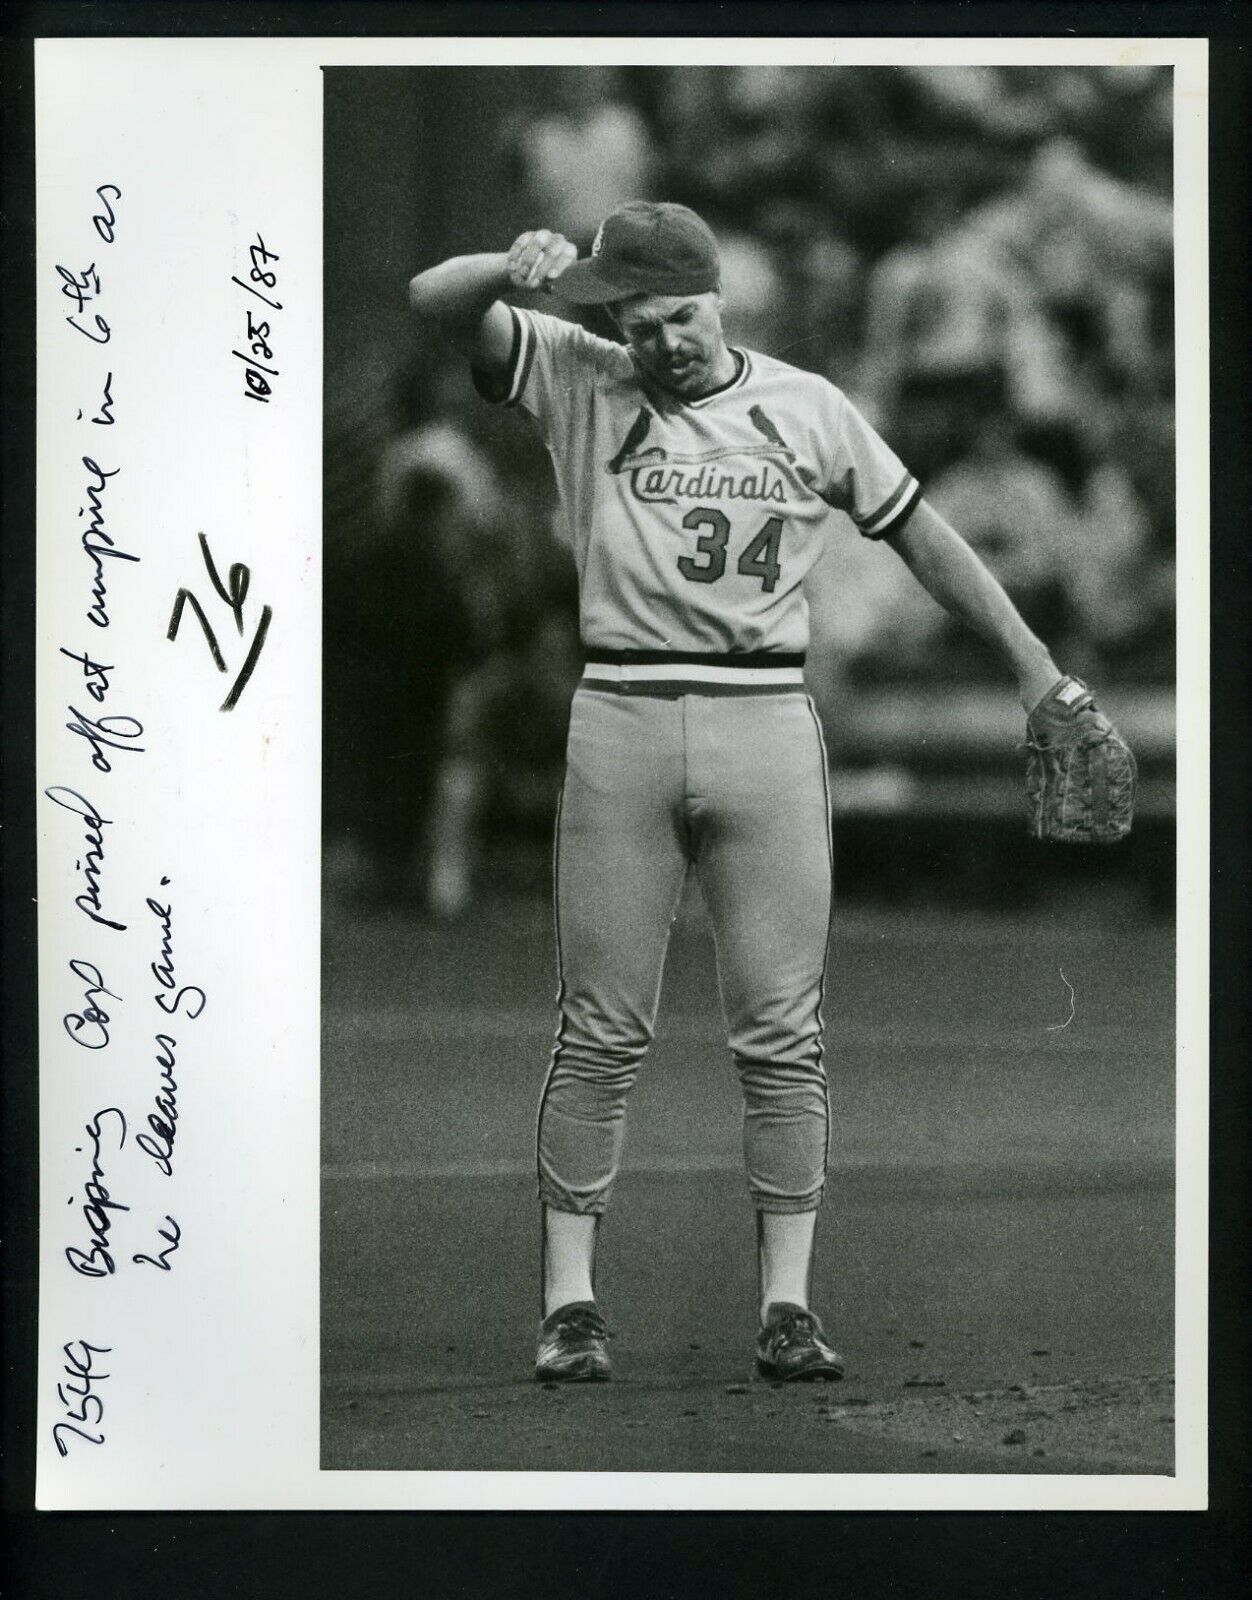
<point>461,300</point>
<point>948,569</point>
<point>1080,772</point>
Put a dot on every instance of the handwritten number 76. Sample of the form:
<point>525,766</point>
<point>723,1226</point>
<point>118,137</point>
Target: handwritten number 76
<point>233,593</point>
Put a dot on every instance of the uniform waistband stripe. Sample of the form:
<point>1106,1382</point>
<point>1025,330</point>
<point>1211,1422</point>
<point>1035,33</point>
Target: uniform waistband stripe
<point>760,676</point>
<point>748,659</point>
<point>669,688</point>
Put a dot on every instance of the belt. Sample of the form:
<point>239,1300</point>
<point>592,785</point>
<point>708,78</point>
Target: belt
<point>668,673</point>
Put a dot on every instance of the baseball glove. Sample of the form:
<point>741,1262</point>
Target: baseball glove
<point>1080,772</point>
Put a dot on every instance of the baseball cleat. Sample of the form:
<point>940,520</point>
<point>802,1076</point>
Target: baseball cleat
<point>572,1346</point>
<point>792,1346</point>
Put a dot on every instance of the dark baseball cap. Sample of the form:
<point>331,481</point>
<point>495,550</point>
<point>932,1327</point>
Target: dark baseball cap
<point>644,247</point>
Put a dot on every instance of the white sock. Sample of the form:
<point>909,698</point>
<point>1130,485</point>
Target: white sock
<point>786,1255</point>
<point>569,1243</point>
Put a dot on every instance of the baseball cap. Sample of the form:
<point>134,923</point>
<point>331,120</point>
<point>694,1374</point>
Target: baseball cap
<point>644,247</point>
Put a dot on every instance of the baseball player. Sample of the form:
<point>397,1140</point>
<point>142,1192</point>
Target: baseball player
<point>696,483</point>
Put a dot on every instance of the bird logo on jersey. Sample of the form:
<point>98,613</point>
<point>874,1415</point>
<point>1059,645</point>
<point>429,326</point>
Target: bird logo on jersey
<point>637,433</point>
<point>761,473</point>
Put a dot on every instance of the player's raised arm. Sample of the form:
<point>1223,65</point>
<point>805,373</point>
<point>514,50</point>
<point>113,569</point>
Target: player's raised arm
<point>949,570</point>
<point>461,298</point>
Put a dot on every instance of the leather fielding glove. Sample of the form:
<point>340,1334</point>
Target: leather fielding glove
<point>1080,772</point>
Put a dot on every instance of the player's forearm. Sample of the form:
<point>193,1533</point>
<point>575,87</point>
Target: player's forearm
<point>457,294</point>
<point>948,569</point>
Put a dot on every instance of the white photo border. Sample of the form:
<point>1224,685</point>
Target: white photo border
<point>212,144</point>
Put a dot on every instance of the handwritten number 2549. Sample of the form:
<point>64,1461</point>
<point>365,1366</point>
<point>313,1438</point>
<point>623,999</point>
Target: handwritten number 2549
<point>234,592</point>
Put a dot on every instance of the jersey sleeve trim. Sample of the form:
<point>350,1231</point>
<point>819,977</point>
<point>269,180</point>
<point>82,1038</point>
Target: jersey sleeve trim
<point>507,389</point>
<point>522,356</point>
<point>894,512</point>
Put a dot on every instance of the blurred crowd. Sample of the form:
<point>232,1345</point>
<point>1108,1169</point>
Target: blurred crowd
<point>981,257</point>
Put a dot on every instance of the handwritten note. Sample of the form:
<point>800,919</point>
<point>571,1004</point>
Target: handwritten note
<point>105,1231</point>
<point>130,1009</point>
<point>178,682</point>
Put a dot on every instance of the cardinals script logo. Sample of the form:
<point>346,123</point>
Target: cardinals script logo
<point>761,473</point>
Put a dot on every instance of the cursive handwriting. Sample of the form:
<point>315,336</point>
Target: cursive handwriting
<point>162,968</point>
<point>93,1017</point>
<point>98,1203</point>
<point>82,288</point>
<point>158,1142</point>
<point>88,901</point>
<point>106,417</point>
<point>233,593</point>
<point>95,672</point>
<point>106,733</point>
<point>171,1244</point>
<point>97,542</point>
<point>80,1370</point>
<point>105,221</point>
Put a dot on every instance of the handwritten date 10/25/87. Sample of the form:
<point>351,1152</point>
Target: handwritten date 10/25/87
<point>261,283</point>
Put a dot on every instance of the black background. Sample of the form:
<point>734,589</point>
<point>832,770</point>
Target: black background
<point>570,1556</point>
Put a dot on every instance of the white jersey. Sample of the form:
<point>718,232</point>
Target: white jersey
<point>694,522</point>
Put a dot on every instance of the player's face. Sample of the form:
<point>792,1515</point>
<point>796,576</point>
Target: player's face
<point>677,339</point>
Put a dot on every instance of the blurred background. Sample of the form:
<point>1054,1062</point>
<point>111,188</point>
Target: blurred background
<point>980,257</point>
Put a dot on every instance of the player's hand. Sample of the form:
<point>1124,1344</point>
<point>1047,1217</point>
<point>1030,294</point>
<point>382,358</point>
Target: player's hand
<point>538,257</point>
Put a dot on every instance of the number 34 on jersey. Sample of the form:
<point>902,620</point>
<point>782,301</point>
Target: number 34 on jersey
<point>759,557</point>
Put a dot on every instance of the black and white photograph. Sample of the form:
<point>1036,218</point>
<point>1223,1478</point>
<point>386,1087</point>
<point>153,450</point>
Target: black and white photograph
<point>750,637</point>
<point>620,664</point>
